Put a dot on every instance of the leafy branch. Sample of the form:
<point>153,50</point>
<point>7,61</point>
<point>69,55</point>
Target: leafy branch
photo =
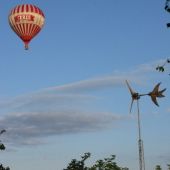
<point>161,68</point>
<point>2,147</point>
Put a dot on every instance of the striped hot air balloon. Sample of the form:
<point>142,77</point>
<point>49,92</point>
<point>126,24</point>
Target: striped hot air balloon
<point>26,21</point>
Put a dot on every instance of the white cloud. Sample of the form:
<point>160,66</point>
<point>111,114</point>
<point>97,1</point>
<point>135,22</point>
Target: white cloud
<point>137,75</point>
<point>30,118</point>
<point>31,128</point>
<point>57,110</point>
<point>90,84</point>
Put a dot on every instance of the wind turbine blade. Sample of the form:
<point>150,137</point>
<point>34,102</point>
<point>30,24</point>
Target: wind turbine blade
<point>160,93</point>
<point>130,89</point>
<point>131,106</point>
<point>154,100</point>
<point>163,90</point>
<point>156,88</point>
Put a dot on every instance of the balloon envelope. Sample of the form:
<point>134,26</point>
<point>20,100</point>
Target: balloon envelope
<point>26,21</point>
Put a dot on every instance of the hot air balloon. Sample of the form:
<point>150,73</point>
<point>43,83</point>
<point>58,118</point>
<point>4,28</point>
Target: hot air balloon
<point>26,21</point>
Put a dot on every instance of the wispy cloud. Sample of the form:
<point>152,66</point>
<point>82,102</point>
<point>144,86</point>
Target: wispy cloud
<point>91,84</point>
<point>57,110</point>
<point>164,157</point>
<point>31,118</point>
<point>60,110</point>
<point>117,78</point>
<point>31,128</point>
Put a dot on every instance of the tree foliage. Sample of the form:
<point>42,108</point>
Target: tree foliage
<point>105,164</point>
<point>168,166</point>
<point>161,68</point>
<point>2,147</point>
<point>158,167</point>
<point>78,165</point>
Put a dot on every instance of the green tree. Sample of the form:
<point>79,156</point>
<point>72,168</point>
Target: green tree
<point>168,166</point>
<point>2,147</point>
<point>78,165</point>
<point>158,167</point>
<point>106,164</point>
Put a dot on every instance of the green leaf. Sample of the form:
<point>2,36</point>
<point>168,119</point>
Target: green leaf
<point>2,146</point>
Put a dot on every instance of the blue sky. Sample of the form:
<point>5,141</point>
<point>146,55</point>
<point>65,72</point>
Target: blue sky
<point>66,95</point>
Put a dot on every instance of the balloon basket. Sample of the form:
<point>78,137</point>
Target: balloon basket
<point>26,47</point>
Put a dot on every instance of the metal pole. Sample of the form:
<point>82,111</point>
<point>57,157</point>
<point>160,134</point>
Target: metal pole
<point>143,158</point>
<point>140,143</point>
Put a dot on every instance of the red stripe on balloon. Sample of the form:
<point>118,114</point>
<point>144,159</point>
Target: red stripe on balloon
<point>33,30</point>
<point>22,8</point>
<point>32,8</point>
<point>26,28</point>
<point>18,8</point>
<point>35,9</point>
<point>27,8</point>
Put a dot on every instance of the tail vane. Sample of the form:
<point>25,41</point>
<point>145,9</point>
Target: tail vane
<point>156,93</point>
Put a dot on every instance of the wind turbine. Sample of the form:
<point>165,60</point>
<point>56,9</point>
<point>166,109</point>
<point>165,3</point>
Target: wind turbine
<point>136,96</point>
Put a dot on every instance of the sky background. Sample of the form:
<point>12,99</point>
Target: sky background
<point>67,95</point>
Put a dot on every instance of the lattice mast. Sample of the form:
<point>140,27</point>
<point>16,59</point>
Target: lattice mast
<point>140,142</point>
